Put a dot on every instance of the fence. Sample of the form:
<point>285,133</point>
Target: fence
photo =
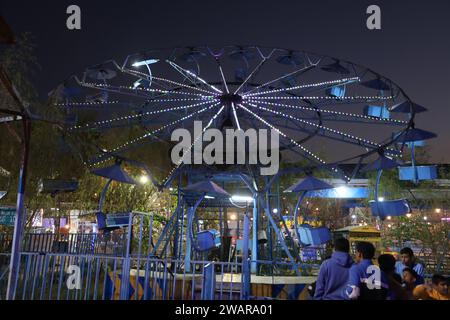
<point>76,243</point>
<point>98,277</point>
<point>4,271</point>
<point>59,276</point>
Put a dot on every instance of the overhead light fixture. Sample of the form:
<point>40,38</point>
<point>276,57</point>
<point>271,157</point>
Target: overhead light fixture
<point>145,62</point>
<point>275,210</point>
<point>239,198</point>
<point>209,197</point>
<point>342,191</point>
<point>233,217</point>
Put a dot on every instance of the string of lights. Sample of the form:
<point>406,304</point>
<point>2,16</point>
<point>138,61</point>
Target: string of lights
<point>134,116</point>
<point>278,79</point>
<point>180,161</point>
<point>85,104</point>
<point>144,76</point>
<point>339,113</point>
<point>318,84</point>
<point>365,142</point>
<point>102,86</point>
<point>305,150</point>
<point>129,143</point>
<point>343,98</point>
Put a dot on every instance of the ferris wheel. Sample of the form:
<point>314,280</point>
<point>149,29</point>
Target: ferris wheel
<point>327,111</point>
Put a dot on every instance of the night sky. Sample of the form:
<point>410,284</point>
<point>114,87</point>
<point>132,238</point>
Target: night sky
<point>412,49</point>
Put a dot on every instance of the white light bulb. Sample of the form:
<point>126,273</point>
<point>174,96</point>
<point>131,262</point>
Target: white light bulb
<point>143,179</point>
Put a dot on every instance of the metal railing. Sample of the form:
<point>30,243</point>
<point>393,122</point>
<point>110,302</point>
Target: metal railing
<point>4,272</point>
<point>76,243</point>
<point>61,276</point>
<point>98,277</point>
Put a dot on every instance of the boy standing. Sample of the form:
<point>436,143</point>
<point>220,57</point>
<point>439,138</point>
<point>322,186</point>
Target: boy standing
<point>366,281</point>
<point>333,273</point>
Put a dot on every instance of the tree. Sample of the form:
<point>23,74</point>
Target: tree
<point>54,154</point>
<point>431,238</point>
<point>431,235</point>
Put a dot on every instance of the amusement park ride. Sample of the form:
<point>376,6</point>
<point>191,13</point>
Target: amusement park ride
<point>327,112</point>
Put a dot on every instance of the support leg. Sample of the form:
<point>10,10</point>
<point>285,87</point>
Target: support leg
<point>20,216</point>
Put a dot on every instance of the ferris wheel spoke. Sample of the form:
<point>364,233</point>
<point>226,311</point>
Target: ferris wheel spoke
<point>228,91</point>
<point>188,75</point>
<point>310,132</point>
<point>138,92</point>
<point>187,87</point>
<point>263,61</point>
<point>188,153</point>
<point>306,152</point>
<point>346,99</point>
<point>316,85</point>
<point>296,127</point>
<point>129,118</point>
<point>356,120</point>
<point>171,100</point>
<point>224,81</point>
<point>93,104</point>
<point>179,85</point>
<point>299,71</point>
<point>368,119</point>
<point>121,90</point>
<point>326,131</point>
<point>310,155</point>
<point>128,145</point>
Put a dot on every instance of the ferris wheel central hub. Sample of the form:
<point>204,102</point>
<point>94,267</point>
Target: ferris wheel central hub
<point>230,98</point>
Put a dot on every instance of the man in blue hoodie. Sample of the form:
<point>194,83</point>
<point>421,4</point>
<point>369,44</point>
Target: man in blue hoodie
<point>366,281</point>
<point>333,273</point>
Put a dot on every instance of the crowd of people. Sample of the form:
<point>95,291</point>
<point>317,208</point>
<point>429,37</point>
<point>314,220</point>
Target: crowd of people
<point>342,278</point>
